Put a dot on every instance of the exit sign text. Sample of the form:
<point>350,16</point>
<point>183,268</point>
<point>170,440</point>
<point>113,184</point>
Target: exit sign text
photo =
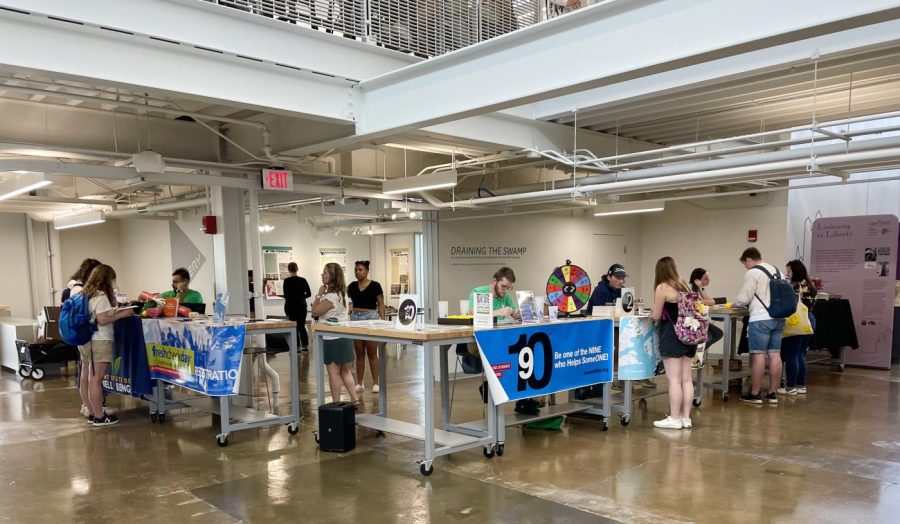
<point>277,180</point>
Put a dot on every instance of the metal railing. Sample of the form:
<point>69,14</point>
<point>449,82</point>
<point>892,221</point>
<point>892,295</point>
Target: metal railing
<point>425,28</point>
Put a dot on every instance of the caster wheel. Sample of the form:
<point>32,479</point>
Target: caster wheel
<point>725,397</point>
<point>426,471</point>
<point>24,371</point>
<point>604,426</point>
<point>162,418</point>
<point>841,368</point>
<point>642,403</point>
<point>153,417</point>
<point>37,373</point>
<point>499,450</point>
<point>697,402</point>
<point>222,440</point>
<point>379,434</point>
<point>293,428</point>
<point>625,420</point>
<point>316,436</point>
<point>488,452</point>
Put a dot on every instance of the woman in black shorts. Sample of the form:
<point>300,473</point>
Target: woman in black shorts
<point>676,356</point>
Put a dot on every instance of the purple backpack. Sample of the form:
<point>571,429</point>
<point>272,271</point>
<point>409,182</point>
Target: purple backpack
<point>693,323</point>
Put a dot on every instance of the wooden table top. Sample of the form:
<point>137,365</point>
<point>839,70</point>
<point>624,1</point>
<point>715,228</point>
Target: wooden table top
<point>252,324</point>
<point>722,310</point>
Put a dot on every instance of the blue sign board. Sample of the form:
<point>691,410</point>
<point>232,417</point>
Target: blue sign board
<point>546,358</point>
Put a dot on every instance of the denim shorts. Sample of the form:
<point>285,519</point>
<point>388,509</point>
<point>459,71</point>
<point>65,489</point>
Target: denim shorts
<point>764,336</point>
<point>364,315</point>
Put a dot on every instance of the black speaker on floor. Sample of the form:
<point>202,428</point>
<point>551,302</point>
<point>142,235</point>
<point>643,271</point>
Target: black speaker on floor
<point>337,427</point>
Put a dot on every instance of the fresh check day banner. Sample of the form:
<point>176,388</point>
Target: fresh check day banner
<point>200,357</point>
<point>546,358</point>
<point>129,373</point>
<point>638,348</point>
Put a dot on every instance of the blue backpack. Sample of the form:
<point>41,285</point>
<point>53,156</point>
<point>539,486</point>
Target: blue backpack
<point>75,324</point>
<point>782,297</point>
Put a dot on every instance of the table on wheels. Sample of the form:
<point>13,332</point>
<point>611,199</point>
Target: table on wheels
<point>729,317</point>
<point>244,417</point>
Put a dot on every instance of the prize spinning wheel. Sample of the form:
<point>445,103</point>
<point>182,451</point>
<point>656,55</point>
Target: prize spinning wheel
<point>568,288</point>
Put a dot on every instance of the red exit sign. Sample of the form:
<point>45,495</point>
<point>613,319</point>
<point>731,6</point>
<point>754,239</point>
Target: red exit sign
<point>277,180</point>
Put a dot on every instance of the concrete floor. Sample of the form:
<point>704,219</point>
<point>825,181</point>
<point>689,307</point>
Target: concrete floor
<point>832,456</point>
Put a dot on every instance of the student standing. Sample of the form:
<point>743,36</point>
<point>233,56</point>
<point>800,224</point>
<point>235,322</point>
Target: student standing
<point>296,291</point>
<point>793,349</point>
<point>367,300</point>
<point>331,302</point>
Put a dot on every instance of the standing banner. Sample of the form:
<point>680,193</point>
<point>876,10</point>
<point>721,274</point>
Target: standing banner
<point>194,355</point>
<point>128,373</point>
<point>546,358</point>
<point>855,257</point>
<point>638,348</point>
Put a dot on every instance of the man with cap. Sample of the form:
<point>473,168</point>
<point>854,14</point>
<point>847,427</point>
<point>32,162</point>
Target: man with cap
<point>609,288</point>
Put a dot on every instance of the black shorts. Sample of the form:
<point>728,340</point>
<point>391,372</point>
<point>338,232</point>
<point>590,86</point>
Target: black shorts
<point>670,346</point>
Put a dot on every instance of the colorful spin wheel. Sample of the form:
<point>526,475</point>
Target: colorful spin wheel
<point>568,288</point>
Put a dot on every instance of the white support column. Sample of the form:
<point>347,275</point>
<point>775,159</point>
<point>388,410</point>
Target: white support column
<point>256,264</point>
<point>229,251</point>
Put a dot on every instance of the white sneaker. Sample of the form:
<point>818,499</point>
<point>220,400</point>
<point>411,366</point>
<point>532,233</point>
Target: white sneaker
<point>801,390</point>
<point>686,423</point>
<point>360,388</point>
<point>375,388</point>
<point>787,391</point>
<point>85,411</point>
<point>669,423</point>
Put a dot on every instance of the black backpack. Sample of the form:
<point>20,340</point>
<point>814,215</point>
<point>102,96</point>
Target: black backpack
<point>782,297</point>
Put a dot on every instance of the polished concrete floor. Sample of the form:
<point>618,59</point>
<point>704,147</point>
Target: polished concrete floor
<point>831,456</point>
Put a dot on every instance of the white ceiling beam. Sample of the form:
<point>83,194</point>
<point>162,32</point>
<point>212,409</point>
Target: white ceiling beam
<point>605,44</point>
<point>670,82</point>
<point>138,62</point>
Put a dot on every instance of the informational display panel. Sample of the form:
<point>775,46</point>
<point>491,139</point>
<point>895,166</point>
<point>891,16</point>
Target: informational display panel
<point>856,258</point>
<point>546,358</point>
<point>638,348</point>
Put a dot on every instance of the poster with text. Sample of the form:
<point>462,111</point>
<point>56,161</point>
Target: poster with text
<point>638,348</point>
<point>399,271</point>
<point>275,263</point>
<point>856,257</point>
<point>546,358</point>
<point>338,255</point>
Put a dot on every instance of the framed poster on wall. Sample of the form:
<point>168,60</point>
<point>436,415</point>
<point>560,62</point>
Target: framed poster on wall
<point>275,262</point>
<point>399,271</point>
<point>337,255</point>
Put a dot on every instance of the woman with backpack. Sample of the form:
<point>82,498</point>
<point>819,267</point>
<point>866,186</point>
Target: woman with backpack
<point>675,354</point>
<point>793,348</point>
<point>76,282</point>
<point>97,354</point>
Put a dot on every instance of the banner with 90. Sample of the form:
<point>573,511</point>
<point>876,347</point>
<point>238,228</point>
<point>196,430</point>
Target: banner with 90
<point>546,358</point>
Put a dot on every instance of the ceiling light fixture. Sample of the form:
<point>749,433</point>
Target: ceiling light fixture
<point>438,180</point>
<point>81,219</point>
<point>23,182</point>
<point>266,228</point>
<point>412,214</point>
<point>370,232</point>
<point>629,208</point>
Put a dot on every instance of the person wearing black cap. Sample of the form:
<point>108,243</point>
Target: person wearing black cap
<point>609,288</point>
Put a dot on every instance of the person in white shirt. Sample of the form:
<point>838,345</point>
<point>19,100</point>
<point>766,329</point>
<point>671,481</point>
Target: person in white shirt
<point>331,303</point>
<point>764,332</point>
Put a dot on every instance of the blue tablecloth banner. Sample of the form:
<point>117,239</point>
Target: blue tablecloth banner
<point>201,357</point>
<point>546,358</point>
<point>128,373</point>
<point>638,348</point>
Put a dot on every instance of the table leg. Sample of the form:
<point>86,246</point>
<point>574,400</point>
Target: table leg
<point>382,378</point>
<point>728,349</point>
<point>428,380</point>
<point>295,377</point>
<point>445,386</point>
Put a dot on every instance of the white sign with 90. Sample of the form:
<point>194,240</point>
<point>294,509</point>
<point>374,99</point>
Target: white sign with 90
<point>406,313</point>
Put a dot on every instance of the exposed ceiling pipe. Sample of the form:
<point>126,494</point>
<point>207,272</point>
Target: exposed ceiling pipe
<point>709,176</point>
<point>141,209</point>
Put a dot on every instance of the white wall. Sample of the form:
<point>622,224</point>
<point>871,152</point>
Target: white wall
<point>714,238</point>
<point>16,289</point>
<point>549,239</point>
<point>100,241</point>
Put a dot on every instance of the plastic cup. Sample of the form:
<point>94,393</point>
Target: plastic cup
<point>443,309</point>
<point>463,307</point>
<point>554,312</point>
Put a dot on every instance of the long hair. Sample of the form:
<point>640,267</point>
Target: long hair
<point>667,272</point>
<point>336,283</point>
<point>696,274</point>
<point>799,275</point>
<point>84,270</point>
<point>101,280</point>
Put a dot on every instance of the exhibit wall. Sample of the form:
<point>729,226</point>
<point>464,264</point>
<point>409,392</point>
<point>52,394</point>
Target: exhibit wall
<point>16,289</point>
<point>533,245</point>
<point>712,234</point>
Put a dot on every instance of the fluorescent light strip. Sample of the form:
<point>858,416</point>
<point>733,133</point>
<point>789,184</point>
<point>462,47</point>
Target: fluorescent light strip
<point>83,219</point>
<point>628,212</point>
<point>79,224</point>
<point>23,183</point>
<point>420,188</point>
<point>438,180</point>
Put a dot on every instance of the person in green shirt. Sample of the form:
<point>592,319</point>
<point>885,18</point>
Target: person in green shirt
<point>503,304</point>
<point>181,279</point>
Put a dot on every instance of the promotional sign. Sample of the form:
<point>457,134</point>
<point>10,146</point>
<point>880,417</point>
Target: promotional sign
<point>638,348</point>
<point>406,313</point>
<point>546,358</point>
<point>200,357</point>
<point>527,307</point>
<point>128,373</point>
<point>856,257</point>
<point>625,305</point>
<point>483,312</point>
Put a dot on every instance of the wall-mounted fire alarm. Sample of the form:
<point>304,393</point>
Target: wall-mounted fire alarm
<point>208,225</point>
<point>752,235</point>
